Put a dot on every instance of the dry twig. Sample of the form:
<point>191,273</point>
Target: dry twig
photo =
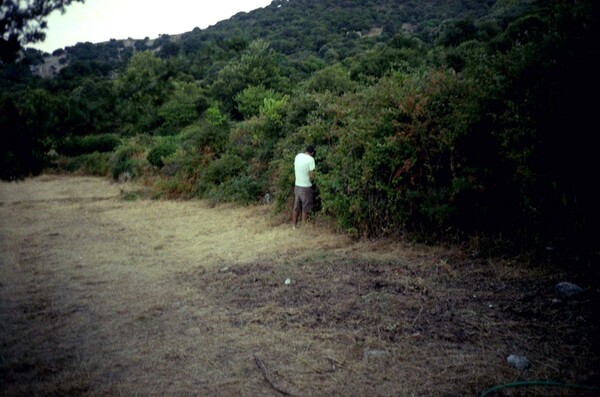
<point>265,372</point>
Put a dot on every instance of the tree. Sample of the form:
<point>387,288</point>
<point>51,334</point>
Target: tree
<point>141,90</point>
<point>180,109</point>
<point>30,121</point>
<point>250,100</point>
<point>23,22</point>
<point>258,66</point>
<point>91,108</point>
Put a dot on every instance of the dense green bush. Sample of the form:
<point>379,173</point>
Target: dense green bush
<point>96,164</point>
<point>241,189</point>
<point>156,155</point>
<point>389,170</point>
<point>335,79</point>
<point>205,137</point>
<point>30,122</point>
<point>250,100</point>
<point>127,160</point>
<point>229,178</point>
<point>282,179</point>
<point>77,145</point>
<point>181,108</point>
<point>222,169</point>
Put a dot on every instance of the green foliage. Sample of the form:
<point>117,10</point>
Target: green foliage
<point>241,189</point>
<point>456,32</point>
<point>96,164</point>
<point>245,138</point>
<point>180,109</point>
<point>171,188</point>
<point>388,172</point>
<point>30,124</point>
<point>401,54</point>
<point>205,137</point>
<point>90,108</point>
<point>221,169</point>
<point>157,155</point>
<point>440,119</point>
<point>256,67</point>
<point>256,138</point>
<point>335,79</point>
<point>282,182</point>
<point>251,99</point>
<point>229,178</point>
<point>77,145</point>
<point>215,117</point>
<point>127,160</point>
<point>273,110</point>
<point>142,89</point>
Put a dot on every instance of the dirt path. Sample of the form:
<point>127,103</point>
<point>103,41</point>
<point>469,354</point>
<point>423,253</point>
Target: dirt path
<point>106,296</point>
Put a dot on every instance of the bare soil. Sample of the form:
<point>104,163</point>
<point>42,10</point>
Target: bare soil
<point>105,293</point>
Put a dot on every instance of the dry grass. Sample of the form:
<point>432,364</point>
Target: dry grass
<point>106,296</point>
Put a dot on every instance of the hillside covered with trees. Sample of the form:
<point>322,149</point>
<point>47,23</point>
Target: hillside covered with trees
<point>446,121</point>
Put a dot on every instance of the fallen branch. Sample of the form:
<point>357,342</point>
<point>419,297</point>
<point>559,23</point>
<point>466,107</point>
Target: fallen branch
<point>265,373</point>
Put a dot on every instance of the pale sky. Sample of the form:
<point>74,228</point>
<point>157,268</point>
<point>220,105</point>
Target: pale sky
<point>101,20</point>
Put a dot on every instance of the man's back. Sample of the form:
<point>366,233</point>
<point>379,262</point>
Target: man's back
<point>303,165</point>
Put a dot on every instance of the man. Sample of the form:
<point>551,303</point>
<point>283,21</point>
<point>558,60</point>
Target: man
<point>304,168</point>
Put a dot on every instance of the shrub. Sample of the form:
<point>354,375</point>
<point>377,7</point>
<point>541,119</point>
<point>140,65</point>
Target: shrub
<point>95,164</point>
<point>75,146</point>
<point>214,116</point>
<point>335,79</point>
<point>222,169</point>
<point>158,153</point>
<point>171,188</point>
<point>180,109</point>
<point>242,189</point>
<point>127,159</point>
<point>205,136</point>
<point>387,170</point>
<point>282,183</point>
<point>88,164</point>
<point>252,99</point>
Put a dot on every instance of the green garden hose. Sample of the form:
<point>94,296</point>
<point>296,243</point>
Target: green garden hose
<point>538,383</point>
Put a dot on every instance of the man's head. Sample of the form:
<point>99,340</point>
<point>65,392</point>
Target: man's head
<point>311,150</point>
